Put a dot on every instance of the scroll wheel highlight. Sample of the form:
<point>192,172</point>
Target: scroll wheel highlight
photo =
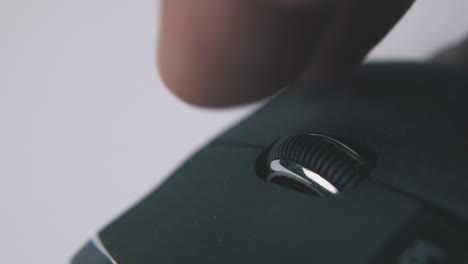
<point>315,164</point>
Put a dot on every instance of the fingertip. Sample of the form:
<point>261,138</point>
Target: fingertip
<point>193,87</point>
<point>226,53</point>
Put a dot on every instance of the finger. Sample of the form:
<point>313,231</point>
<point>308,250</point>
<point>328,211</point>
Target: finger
<point>226,52</point>
<point>221,53</point>
<point>358,26</point>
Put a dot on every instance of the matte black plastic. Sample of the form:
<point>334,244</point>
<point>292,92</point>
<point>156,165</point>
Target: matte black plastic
<point>412,116</point>
<point>214,209</point>
<point>409,120</point>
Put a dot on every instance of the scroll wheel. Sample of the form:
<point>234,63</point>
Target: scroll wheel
<point>315,164</point>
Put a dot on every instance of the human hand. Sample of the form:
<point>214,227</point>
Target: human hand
<point>217,53</point>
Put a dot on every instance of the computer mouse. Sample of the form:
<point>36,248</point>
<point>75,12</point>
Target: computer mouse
<point>372,169</point>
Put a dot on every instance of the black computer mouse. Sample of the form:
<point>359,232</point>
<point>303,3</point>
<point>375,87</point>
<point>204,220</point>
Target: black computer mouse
<point>372,169</point>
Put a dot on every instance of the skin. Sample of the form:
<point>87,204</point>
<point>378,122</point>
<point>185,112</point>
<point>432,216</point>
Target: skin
<point>220,53</point>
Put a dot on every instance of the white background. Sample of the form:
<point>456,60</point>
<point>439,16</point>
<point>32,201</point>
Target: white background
<point>87,128</point>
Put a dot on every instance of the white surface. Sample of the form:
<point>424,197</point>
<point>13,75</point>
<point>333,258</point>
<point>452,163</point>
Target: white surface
<point>86,127</point>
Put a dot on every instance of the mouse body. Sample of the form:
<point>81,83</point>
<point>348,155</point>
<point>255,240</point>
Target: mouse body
<point>407,122</point>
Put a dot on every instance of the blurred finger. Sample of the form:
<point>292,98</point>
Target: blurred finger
<point>358,26</point>
<point>226,52</point>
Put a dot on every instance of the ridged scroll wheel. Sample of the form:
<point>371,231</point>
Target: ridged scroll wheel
<point>315,164</point>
